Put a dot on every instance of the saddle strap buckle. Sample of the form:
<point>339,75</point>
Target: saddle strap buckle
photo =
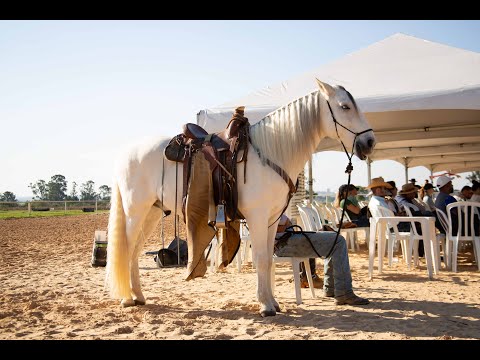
<point>220,220</point>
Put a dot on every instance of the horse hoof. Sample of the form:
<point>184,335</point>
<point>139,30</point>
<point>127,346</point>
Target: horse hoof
<point>266,313</point>
<point>277,307</point>
<point>139,302</point>
<point>127,303</point>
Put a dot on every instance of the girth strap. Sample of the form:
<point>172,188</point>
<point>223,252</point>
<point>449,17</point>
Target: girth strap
<point>292,188</point>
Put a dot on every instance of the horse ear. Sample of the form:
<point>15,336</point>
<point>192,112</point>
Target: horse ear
<point>326,89</point>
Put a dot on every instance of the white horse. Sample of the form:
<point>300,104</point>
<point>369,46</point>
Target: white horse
<point>287,137</point>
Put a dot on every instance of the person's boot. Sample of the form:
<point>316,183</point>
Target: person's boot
<point>328,292</point>
<point>317,282</point>
<point>304,282</point>
<point>350,299</point>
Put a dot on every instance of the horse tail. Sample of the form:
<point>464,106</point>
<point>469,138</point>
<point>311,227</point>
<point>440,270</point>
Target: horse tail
<point>117,279</point>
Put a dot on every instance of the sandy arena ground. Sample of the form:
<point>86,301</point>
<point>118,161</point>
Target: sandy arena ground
<point>49,290</point>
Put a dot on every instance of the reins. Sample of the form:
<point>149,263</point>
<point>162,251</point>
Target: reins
<point>348,170</point>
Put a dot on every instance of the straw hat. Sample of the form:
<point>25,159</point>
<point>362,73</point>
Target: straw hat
<point>408,189</point>
<point>377,182</point>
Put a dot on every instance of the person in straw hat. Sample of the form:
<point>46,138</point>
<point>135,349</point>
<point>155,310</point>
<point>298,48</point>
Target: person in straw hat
<point>378,187</point>
<point>408,197</point>
<point>392,203</point>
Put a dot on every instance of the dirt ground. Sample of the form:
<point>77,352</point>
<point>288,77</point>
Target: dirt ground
<point>49,290</point>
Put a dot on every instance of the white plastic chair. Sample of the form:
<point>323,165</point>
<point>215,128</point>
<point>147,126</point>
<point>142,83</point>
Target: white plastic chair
<point>365,229</point>
<point>331,215</point>
<point>350,234</point>
<point>415,236</point>
<point>295,262</point>
<point>402,237</point>
<point>324,213</point>
<point>245,249</point>
<point>210,253</point>
<point>442,238</point>
<point>310,218</point>
<point>466,211</point>
<point>305,215</point>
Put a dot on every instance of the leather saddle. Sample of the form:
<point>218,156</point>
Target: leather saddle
<point>220,150</point>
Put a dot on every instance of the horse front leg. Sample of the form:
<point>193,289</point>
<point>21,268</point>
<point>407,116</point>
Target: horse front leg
<point>272,231</point>
<point>262,249</point>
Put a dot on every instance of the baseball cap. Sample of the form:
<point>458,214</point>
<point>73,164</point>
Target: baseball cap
<point>443,180</point>
<point>343,188</point>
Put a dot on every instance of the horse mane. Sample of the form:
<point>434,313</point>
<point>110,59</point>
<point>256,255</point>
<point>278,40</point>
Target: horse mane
<point>289,135</point>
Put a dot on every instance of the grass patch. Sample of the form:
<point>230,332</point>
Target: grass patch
<point>19,214</point>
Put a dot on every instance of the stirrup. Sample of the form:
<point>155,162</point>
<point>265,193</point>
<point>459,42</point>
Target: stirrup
<point>220,221</point>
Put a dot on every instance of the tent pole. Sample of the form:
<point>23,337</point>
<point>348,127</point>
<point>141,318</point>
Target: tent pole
<point>310,182</point>
<point>406,170</point>
<point>369,170</point>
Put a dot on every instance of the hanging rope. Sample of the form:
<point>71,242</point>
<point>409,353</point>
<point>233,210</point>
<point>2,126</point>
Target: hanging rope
<point>348,170</point>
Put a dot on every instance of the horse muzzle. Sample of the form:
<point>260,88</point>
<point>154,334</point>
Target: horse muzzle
<point>364,147</point>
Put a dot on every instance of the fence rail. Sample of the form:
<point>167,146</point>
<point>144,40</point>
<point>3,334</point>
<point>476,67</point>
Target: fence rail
<point>42,205</point>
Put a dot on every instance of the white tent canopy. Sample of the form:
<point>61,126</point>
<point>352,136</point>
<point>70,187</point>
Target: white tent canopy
<point>421,98</point>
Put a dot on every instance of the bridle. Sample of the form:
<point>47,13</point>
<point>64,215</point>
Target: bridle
<point>347,171</point>
<point>335,121</point>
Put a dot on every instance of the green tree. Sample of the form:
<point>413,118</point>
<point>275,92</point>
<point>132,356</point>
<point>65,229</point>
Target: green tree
<point>105,192</point>
<point>475,175</point>
<point>73,193</point>
<point>8,196</point>
<point>87,191</point>
<point>57,186</point>
<point>39,190</point>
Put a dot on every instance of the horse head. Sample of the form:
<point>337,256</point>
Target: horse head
<point>348,123</point>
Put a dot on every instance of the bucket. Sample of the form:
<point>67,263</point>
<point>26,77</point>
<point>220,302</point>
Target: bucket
<point>99,253</point>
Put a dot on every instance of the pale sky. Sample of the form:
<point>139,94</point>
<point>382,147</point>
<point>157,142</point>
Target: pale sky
<point>74,93</point>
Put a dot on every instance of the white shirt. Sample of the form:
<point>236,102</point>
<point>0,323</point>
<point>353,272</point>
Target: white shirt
<point>475,197</point>
<point>374,203</point>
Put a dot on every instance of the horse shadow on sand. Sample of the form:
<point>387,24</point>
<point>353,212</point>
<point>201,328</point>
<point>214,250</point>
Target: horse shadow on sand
<point>405,318</point>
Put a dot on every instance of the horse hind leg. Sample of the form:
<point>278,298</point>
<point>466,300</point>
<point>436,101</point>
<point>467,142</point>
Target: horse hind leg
<point>135,241</point>
<point>149,225</point>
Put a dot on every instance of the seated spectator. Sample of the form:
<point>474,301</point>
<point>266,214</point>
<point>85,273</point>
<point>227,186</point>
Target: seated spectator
<point>378,187</point>
<point>407,196</point>
<point>391,202</point>
<point>476,191</point>
<point>283,224</point>
<point>347,196</point>
<point>445,187</point>
<point>466,193</point>
<point>426,194</point>
<point>337,275</point>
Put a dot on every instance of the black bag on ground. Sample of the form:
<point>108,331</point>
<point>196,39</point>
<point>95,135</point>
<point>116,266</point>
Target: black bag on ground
<point>169,256</point>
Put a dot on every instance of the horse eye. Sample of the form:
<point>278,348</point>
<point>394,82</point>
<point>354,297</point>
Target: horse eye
<point>345,107</point>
